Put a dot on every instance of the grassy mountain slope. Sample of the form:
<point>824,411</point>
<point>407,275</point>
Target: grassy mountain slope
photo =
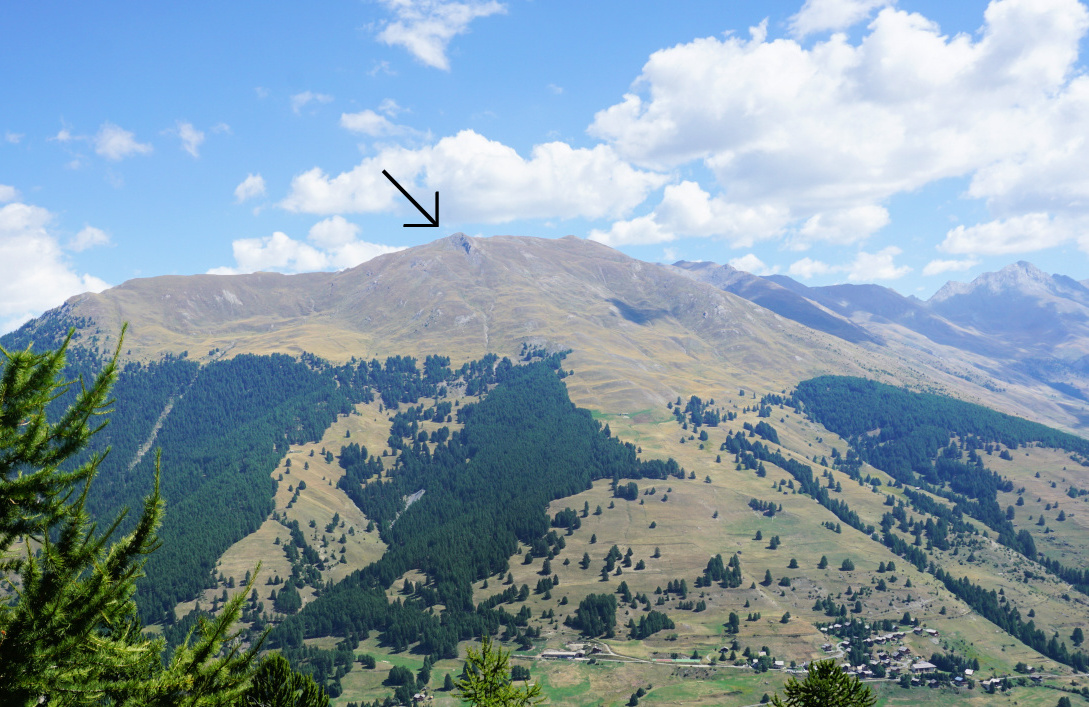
<point>642,336</point>
<point>636,329</point>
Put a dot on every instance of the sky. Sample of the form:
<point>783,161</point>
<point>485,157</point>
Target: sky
<point>905,143</point>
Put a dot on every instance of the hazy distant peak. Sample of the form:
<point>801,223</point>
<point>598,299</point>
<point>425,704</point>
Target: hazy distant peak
<point>1022,277</point>
<point>701,265</point>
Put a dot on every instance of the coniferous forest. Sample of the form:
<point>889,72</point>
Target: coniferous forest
<point>485,490</point>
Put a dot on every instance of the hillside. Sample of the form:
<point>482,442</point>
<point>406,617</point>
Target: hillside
<point>724,493</point>
<point>640,333</point>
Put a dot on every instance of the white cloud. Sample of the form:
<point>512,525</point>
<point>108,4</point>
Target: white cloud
<point>686,210</point>
<point>425,27</point>
<point>557,90</point>
<point>807,268</point>
<point>751,264</point>
<point>1017,234</point>
<point>88,237</point>
<point>301,100</point>
<point>333,232</point>
<point>484,181</point>
<point>250,187</point>
<point>8,193</point>
<point>868,267</point>
<point>844,225</point>
<point>390,107</point>
<point>823,15</point>
<point>381,67</point>
<point>64,135</point>
<point>370,123</point>
<point>13,138</point>
<point>34,273</point>
<point>824,135</point>
<point>276,252</point>
<point>114,143</point>
<point>191,138</point>
<point>332,244</point>
<point>936,267</point>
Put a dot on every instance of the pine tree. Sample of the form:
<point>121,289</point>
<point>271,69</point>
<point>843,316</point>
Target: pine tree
<point>487,681</point>
<point>72,634</point>
<point>825,684</point>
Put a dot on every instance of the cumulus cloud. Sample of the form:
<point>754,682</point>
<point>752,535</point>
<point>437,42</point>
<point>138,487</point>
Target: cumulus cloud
<point>824,135</point>
<point>331,244</point>
<point>8,193</point>
<point>752,264</point>
<point>35,275</point>
<point>868,267</point>
<point>425,27</point>
<point>88,237</point>
<point>807,268</point>
<point>1017,234</point>
<point>485,181</point>
<point>301,100</point>
<point>823,15</point>
<point>113,142</point>
<point>936,267</point>
<point>844,225</point>
<point>250,187</point>
<point>13,138</point>
<point>686,210</point>
<point>277,252</point>
<point>191,138</point>
<point>370,123</point>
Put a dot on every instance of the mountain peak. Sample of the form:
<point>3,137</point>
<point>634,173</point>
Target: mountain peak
<point>1021,277</point>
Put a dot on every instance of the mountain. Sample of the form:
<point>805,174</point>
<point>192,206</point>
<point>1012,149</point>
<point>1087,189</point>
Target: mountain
<point>1019,331</point>
<point>716,447</point>
<point>624,320</point>
<point>1023,305</point>
<point>782,300</point>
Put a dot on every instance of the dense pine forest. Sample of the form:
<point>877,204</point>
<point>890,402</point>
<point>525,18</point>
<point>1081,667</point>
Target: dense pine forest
<point>485,491</point>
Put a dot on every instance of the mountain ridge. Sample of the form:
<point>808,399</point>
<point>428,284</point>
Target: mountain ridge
<point>641,333</point>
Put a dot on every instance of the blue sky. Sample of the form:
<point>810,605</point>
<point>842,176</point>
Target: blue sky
<point>904,143</point>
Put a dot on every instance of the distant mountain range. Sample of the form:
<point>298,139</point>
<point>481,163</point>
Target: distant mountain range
<point>641,332</point>
<point>1017,325</point>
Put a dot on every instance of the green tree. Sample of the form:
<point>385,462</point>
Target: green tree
<point>487,681</point>
<point>826,685</point>
<point>276,685</point>
<point>71,635</point>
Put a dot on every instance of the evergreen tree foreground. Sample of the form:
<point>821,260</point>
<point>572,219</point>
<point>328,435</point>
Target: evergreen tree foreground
<point>71,634</point>
<point>826,685</point>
